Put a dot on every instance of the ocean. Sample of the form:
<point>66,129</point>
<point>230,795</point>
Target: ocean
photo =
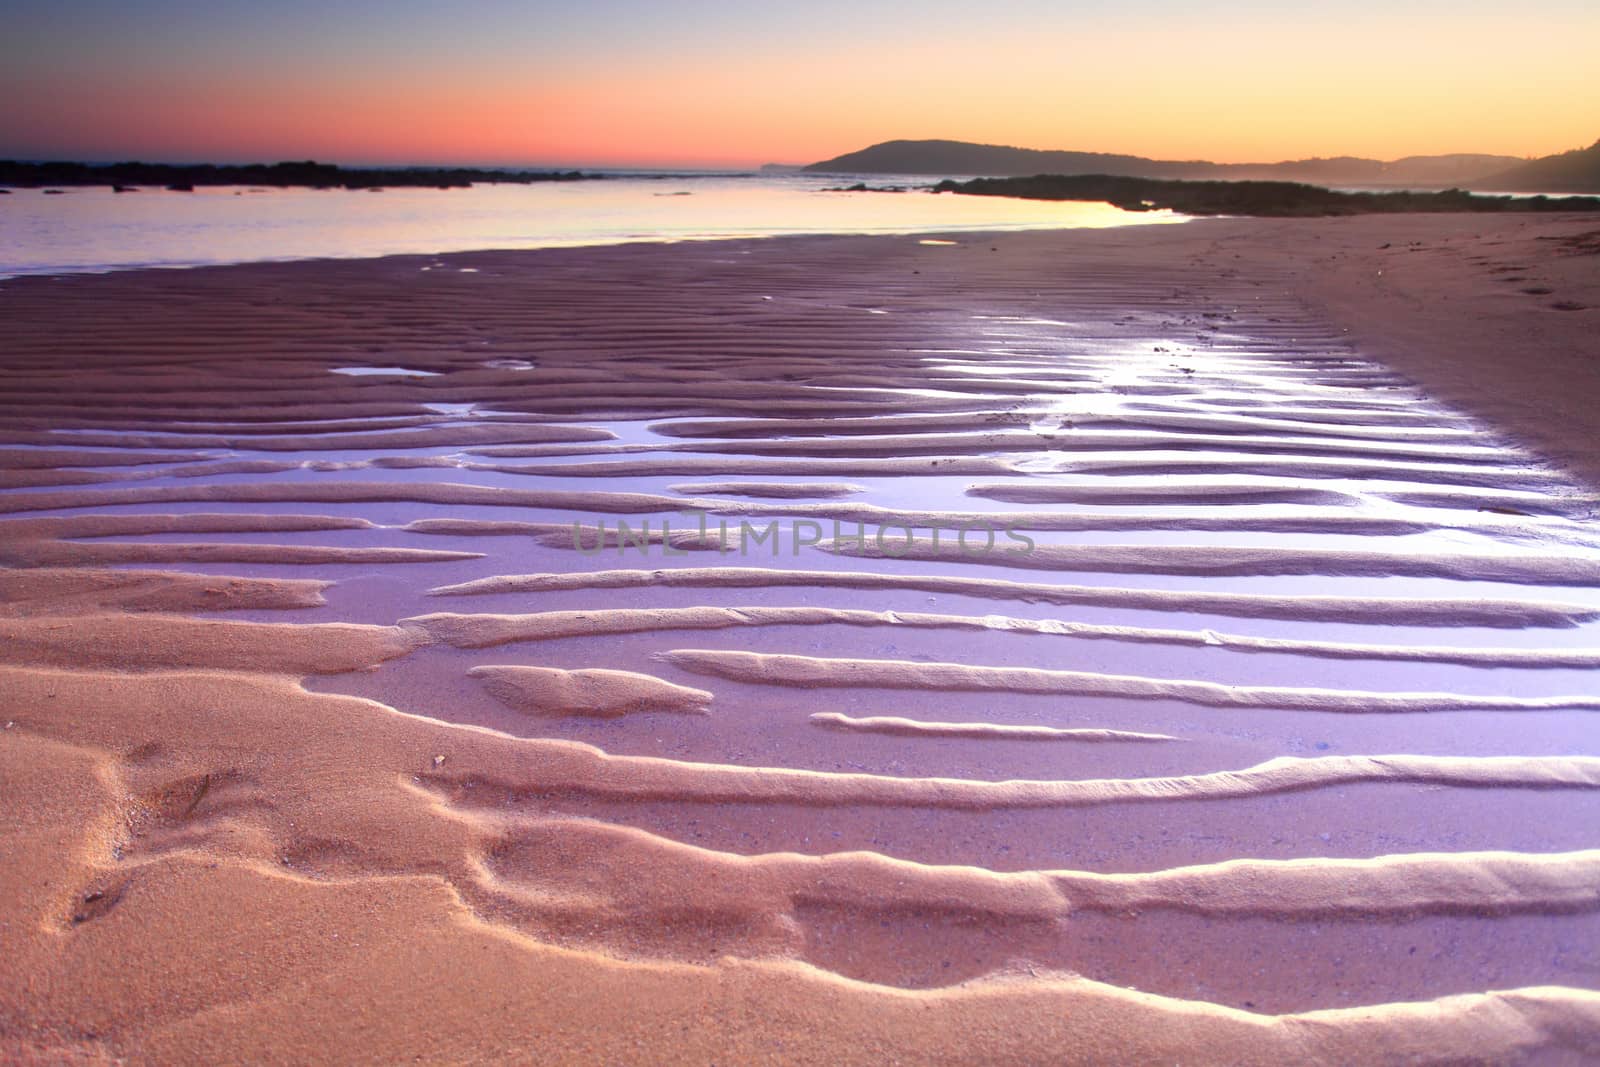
<point>92,229</point>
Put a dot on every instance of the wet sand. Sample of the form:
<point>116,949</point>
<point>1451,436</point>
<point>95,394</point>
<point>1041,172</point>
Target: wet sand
<point>590,686</point>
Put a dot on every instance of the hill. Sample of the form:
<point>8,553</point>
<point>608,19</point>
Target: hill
<point>946,158</point>
<point>1577,171</point>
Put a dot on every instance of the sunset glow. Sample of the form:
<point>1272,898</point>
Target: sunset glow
<point>714,84</point>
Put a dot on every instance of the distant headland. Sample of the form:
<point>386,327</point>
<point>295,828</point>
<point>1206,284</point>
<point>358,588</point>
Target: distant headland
<point>1571,172</point>
<point>186,177</point>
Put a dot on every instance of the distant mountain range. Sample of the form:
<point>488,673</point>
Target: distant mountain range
<point>1575,171</point>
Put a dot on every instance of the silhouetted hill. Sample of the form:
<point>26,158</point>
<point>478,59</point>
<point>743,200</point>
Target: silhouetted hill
<point>961,157</point>
<point>1577,171</point>
<point>185,177</point>
<point>1278,199</point>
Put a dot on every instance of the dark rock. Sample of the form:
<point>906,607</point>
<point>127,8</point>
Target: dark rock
<point>1276,199</point>
<point>863,187</point>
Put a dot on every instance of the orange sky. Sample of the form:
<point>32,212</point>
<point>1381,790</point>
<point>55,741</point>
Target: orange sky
<point>707,83</point>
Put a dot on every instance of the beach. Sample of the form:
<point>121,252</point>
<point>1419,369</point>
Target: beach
<point>1151,644</point>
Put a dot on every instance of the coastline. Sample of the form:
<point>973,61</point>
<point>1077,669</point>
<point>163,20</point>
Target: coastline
<point>264,805</point>
<point>92,230</point>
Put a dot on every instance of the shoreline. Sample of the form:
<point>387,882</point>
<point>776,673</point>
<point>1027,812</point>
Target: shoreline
<point>1262,199</point>
<point>1137,221</point>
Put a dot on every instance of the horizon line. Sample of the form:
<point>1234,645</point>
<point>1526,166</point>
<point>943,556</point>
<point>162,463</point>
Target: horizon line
<point>96,159</point>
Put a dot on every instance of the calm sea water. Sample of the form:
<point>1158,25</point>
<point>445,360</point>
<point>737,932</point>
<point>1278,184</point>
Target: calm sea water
<point>94,229</point>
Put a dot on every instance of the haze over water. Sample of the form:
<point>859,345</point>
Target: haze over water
<point>94,229</point>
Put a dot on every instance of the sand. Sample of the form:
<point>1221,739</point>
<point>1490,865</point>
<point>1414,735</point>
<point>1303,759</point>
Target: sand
<point>1277,746</point>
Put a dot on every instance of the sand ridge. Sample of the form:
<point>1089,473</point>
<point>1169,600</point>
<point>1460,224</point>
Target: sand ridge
<point>601,693</point>
<point>811,671</point>
<point>1414,611</point>
<point>486,631</point>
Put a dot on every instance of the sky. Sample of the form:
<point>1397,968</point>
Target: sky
<point>709,83</point>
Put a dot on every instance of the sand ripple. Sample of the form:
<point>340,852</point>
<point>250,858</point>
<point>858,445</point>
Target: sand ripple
<point>1300,769</point>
